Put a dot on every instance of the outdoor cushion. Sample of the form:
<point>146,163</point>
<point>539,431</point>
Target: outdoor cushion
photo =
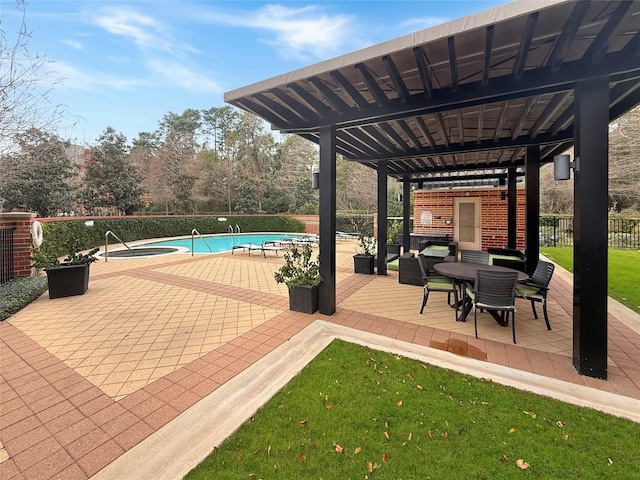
<point>493,256</point>
<point>393,265</point>
<point>526,290</point>
<point>439,283</point>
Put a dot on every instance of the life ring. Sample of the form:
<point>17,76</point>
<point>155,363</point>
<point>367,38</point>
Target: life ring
<point>36,234</point>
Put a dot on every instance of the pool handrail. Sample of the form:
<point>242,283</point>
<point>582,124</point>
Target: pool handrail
<point>196,232</point>
<point>106,244</point>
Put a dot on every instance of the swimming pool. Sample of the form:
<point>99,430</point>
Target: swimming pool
<point>218,243</point>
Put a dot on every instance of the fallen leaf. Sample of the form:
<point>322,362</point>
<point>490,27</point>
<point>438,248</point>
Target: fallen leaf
<point>329,407</point>
<point>419,387</point>
<point>410,436</point>
<point>301,456</point>
<point>386,434</point>
<point>384,457</point>
<point>430,433</point>
<point>566,437</point>
<point>522,464</point>
<point>504,458</point>
<point>338,449</point>
<point>532,415</point>
<point>512,430</point>
<point>281,406</point>
<point>269,450</point>
<point>409,376</point>
<point>560,424</point>
<point>610,461</point>
<point>303,423</point>
<point>357,451</point>
<point>445,435</point>
<point>386,423</point>
<point>397,357</point>
<point>399,403</point>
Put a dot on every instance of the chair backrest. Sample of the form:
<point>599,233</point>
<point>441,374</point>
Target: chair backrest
<point>515,264</point>
<point>544,272</point>
<point>495,288</point>
<point>423,266</point>
<point>474,256</point>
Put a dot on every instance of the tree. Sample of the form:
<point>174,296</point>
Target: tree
<point>37,178</point>
<point>25,82</point>
<point>110,180</point>
<point>624,164</point>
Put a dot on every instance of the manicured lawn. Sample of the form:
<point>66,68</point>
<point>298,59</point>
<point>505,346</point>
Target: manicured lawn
<point>624,272</point>
<point>354,413</point>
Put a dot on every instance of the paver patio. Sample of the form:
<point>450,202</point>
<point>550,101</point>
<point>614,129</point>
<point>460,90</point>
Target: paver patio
<point>85,379</point>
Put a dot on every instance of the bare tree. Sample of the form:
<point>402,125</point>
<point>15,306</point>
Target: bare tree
<point>25,82</point>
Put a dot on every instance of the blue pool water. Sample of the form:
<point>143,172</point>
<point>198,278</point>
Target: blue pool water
<point>218,243</point>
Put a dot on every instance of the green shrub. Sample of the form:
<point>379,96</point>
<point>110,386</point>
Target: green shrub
<point>18,293</point>
<point>136,228</point>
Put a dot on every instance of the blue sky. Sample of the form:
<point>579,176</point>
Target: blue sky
<point>127,64</point>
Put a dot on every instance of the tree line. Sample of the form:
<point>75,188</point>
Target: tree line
<point>218,160</point>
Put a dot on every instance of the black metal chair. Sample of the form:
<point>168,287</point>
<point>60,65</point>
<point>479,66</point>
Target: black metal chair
<point>474,256</point>
<point>437,283</point>
<point>494,291</point>
<point>536,288</point>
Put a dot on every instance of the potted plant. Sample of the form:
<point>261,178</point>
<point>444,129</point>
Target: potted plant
<point>394,230</point>
<point>364,260</point>
<point>302,277</point>
<point>66,277</point>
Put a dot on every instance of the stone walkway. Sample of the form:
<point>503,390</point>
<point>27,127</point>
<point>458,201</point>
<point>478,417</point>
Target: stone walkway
<point>86,379</point>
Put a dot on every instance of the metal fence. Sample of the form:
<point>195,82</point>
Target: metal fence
<point>6,254</point>
<point>558,232</point>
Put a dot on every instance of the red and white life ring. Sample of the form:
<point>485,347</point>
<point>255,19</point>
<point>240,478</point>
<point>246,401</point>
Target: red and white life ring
<point>36,234</point>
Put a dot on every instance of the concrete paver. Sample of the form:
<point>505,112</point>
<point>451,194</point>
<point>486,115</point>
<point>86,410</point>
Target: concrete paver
<point>86,379</point>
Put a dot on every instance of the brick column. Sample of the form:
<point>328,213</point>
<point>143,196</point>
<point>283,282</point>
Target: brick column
<point>21,240</point>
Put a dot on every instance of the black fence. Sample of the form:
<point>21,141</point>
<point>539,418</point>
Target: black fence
<point>6,254</point>
<point>558,232</point>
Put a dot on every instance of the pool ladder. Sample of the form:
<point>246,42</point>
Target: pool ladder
<point>106,244</point>
<point>237,230</point>
<point>196,232</point>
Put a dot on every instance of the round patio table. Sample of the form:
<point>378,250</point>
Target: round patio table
<point>467,271</point>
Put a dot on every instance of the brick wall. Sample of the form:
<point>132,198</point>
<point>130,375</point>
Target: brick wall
<point>493,211</point>
<point>312,223</point>
<point>21,240</point>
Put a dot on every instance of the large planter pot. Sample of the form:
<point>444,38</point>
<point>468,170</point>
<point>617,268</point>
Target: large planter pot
<point>304,298</point>
<point>67,280</point>
<point>364,264</point>
<point>393,248</point>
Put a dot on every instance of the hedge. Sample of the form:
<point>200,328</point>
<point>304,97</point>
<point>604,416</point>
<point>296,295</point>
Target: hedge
<point>59,233</point>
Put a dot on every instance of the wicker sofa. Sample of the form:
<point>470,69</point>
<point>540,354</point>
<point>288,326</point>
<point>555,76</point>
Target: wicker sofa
<point>409,271</point>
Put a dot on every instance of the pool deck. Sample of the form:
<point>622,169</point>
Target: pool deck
<point>185,348</point>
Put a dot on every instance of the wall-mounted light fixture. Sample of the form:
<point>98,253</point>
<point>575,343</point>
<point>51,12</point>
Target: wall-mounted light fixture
<point>561,166</point>
<point>315,180</point>
<point>399,196</point>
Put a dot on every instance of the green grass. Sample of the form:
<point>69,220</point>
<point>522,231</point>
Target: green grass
<point>396,418</point>
<point>624,272</point>
<point>18,293</point>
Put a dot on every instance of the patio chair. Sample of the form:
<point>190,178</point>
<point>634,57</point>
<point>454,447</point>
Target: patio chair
<point>494,291</point>
<point>474,256</point>
<point>437,283</point>
<point>537,287</point>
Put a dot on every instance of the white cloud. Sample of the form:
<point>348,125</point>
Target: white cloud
<point>74,78</point>
<point>144,31</point>
<point>297,32</point>
<point>74,44</point>
<point>420,23</point>
<point>176,74</point>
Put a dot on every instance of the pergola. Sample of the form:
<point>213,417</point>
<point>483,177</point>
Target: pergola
<point>492,95</point>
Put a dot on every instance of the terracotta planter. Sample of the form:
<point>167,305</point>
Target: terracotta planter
<point>304,298</point>
<point>364,264</point>
<point>67,280</point>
